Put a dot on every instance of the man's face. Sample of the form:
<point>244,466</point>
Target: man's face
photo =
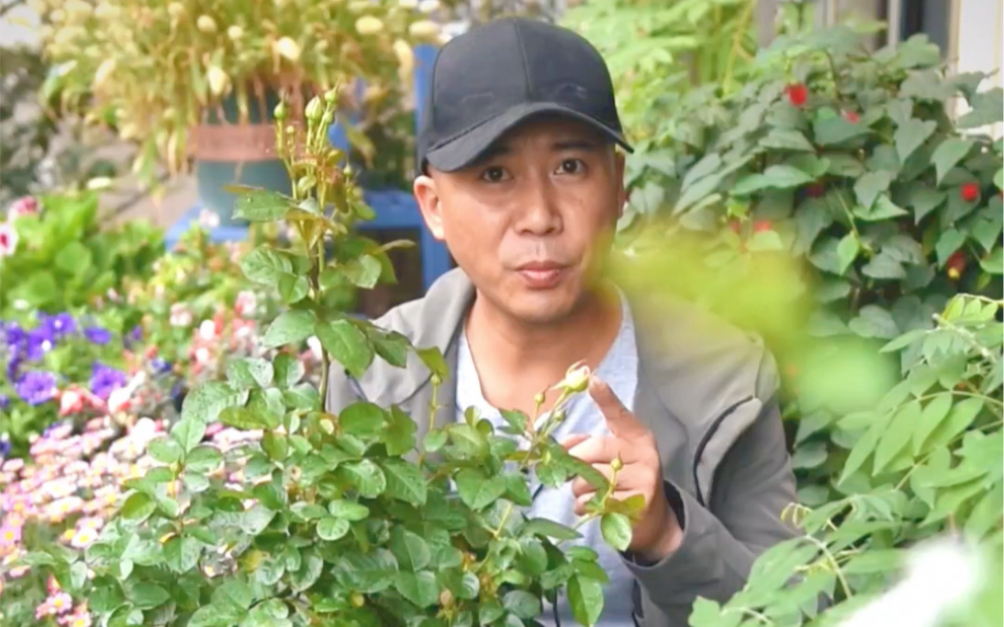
<point>532,221</point>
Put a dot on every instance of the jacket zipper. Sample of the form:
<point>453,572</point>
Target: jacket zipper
<point>707,438</point>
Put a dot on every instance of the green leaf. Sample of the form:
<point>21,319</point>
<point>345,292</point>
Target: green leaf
<point>478,491</point>
<point>948,242</point>
<point>433,360</point>
<point>861,451</point>
<point>399,435</point>
<point>145,596</point>
<point>349,510</point>
<point>301,396</point>
<point>896,435</point>
<point>138,507</point>
<point>774,177</point>
<point>874,321</point>
<point>419,588</point>
<point>291,327</point>
<point>347,344</point>
<point>884,266</point>
<point>105,596</point>
<point>869,186</point>
<point>165,449</point>
<point>264,266</point>
<point>256,519</point>
<point>288,370</point>
<point>959,419</point>
<point>931,416</point>
<point>331,528</point>
<point>242,418</point>
<point>249,372</point>
<point>765,240</point>
<point>203,459</point>
<point>434,440</point>
<point>948,154</point>
<point>616,530</point>
<point>697,192</point>
<point>847,251</point>
<point>74,258</point>
<point>405,482</point>
<point>585,596</point>
<point>994,263</point>
<point>362,419</point>
<point>293,288</point>
<point>366,477</point>
<point>924,200</point>
<point>204,405</point>
<point>911,135</point>
<point>182,553</point>
<point>550,529</point>
<point>786,139</point>
<point>468,441</point>
<point>308,573</point>
<point>412,552</point>
<point>261,205</point>
<point>276,445</point>
<point>837,130</point>
<point>363,271</point>
<point>392,346</point>
<point>986,109</point>
<point>522,604</point>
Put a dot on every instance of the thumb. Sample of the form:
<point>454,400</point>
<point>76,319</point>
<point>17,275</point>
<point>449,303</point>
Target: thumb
<point>621,422</point>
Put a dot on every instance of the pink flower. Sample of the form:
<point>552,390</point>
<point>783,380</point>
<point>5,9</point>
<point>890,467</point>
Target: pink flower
<point>26,205</point>
<point>246,304</point>
<point>8,240</point>
<point>71,401</point>
<point>208,330</point>
<point>120,400</point>
<point>181,315</point>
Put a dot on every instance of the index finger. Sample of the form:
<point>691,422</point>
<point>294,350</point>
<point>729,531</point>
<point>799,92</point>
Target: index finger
<point>621,422</point>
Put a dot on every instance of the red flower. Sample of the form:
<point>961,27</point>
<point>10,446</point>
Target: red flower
<point>852,117</point>
<point>956,264</point>
<point>762,225</point>
<point>815,190</point>
<point>798,93</point>
<point>970,192</point>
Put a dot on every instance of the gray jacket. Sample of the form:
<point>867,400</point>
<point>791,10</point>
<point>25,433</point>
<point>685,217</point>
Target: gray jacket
<point>707,391</point>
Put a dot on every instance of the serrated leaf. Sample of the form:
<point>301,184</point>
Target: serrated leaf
<point>419,588</point>
<point>205,403</point>
<point>249,372</point>
<point>874,321</point>
<point>138,507</point>
<point>203,459</point>
<point>243,418</point>
<point>585,596</point>
<point>287,370</point>
<point>291,327</point>
<point>405,482</point>
<point>550,529</point>
<point>911,135</point>
<point>264,266</point>
<point>362,419</point>
<point>146,596</point>
<point>410,549</point>
<point>347,344</point>
<point>522,604</point>
<point>616,530</point>
<point>391,346</point>
<point>477,490</point>
<point>948,154</point>
<point>165,449</point>
<point>363,271</point>
<point>366,477</point>
<point>182,553</point>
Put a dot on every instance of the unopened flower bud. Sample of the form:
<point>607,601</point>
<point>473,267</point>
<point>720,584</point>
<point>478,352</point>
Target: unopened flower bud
<point>327,119</point>
<point>576,378</point>
<point>235,32</point>
<point>331,96</point>
<point>315,109</point>
<point>436,379</point>
<point>176,9</point>
<point>616,464</point>
<point>288,49</point>
<point>538,398</point>
<point>206,24</point>
<point>280,111</point>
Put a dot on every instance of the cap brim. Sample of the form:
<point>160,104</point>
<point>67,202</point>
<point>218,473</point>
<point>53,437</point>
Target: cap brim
<point>464,150</point>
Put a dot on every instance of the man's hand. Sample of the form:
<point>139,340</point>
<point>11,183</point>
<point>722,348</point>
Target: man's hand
<point>657,533</point>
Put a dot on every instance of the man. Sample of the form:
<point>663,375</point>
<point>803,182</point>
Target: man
<point>522,180</point>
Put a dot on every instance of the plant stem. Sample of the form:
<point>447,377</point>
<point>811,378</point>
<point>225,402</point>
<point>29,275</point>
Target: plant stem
<point>737,38</point>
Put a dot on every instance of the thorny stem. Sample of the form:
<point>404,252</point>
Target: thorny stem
<point>433,408</point>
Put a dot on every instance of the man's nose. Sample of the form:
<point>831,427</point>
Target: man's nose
<point>538,209</point>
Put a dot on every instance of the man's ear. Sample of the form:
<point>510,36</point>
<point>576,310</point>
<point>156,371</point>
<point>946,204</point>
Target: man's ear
<point>427,196</point>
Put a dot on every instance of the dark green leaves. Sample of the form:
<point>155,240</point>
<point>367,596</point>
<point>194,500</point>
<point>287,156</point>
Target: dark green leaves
<point>774,177</point>
<point>265,266</point>
<point>347,344</point>
<point>250,372</point>
<point>166,450</point>
<point>522,604</point>
<point>550,529</point>
<point>362,419</point>
<point>869,186</point>
<point>910,135</point>
<point>585,596</point>
<point>412,552</point>
<point>834,130</point>
<point>331,528</point>
<point>948,153</point>
<point>419,588</point>
<point>366,477</point>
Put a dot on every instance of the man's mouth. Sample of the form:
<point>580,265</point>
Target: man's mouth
<point>540,275</point>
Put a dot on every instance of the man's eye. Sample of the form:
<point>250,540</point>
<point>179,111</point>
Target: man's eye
<point>572,166</point>
<point>494,174</point>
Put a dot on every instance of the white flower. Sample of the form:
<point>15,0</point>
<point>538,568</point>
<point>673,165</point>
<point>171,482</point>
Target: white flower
<point>8,240</point>
<point>428,6</point>
<point>181,315</point>
<point>246,304</point>
<point>207,330</point>
<point>209,219</point>
<point>235,32</point>
<point>315,347</point>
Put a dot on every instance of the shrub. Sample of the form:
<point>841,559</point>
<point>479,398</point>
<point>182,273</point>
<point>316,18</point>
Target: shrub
<point>343,519</point>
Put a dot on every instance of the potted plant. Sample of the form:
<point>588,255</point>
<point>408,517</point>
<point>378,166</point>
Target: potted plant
<point>198,80</point>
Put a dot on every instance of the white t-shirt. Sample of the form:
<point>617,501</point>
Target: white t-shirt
<point>619,369</point>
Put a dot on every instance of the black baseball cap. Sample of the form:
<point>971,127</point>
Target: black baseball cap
<point>495,76</point>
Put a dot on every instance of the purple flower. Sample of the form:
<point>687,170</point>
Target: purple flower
<point>98,335</point>
<point>13,366</point>
<point>159,365</point>
<point>4,450</point>
<point>58,325</point>
<point>36,388</point>
<point>136,334</point>
<point>40,342</point>
<point>4,401</point>
<point>104,380</point>
<point>14,335</point>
